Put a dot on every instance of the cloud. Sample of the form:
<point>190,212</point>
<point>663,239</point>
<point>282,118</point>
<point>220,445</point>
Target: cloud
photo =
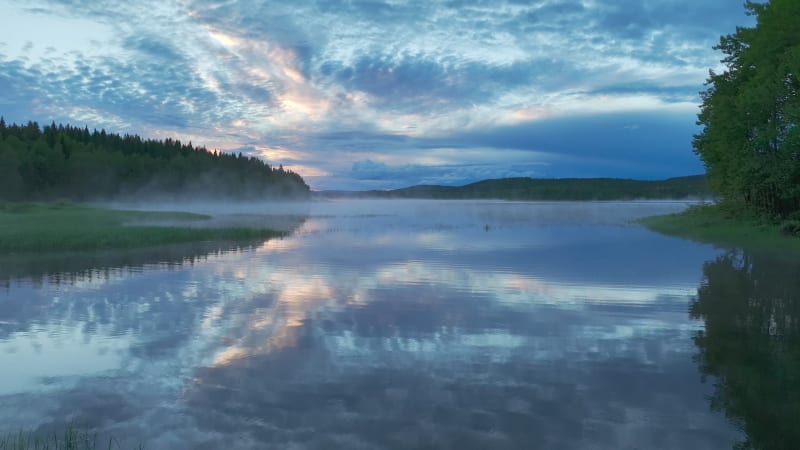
<point>645,145</point>
<point>650,145</point>
<point>369,80</point>
<point>410,82</point>
<point>399,176</point>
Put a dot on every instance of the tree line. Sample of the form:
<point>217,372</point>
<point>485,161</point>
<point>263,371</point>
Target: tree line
<point>72,163</point>
<point>553,189</point>
<point>750,142</point>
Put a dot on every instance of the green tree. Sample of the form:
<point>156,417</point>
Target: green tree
<point>11,184</point>
<point>750,142</point>
<point>61,161</point>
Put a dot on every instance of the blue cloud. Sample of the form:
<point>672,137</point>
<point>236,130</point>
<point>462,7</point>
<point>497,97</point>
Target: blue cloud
<point>343,82</point>
<point>395,176</point>
<point>642,145</point>
<point>153,47</point>
<point>409,81</point>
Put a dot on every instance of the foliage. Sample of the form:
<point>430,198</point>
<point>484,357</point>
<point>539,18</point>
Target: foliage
<point>63,227</point>
<point>750,143</point>
<point>750,345</point>
<point>65,162</point>
<point>557,189</point>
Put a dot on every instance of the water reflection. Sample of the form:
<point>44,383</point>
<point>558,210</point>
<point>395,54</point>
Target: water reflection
<point>387,325</point>
<point>74,267</point>
<point>750,305</point>
<point>69,267</point>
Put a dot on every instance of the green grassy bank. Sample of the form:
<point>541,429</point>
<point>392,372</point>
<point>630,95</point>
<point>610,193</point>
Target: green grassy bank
<point>28,227</point>
<point>727,227</point>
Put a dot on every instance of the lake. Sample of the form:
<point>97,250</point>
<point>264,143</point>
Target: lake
<point>410,324</point>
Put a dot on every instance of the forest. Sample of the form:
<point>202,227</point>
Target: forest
<point>63,162</point>
<point>750,141</point>
<point>553,189</point>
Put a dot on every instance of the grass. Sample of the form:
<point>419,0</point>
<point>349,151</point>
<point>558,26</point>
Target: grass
<point>727,227</point>
<point>71,439</point>
<point>30,227</point>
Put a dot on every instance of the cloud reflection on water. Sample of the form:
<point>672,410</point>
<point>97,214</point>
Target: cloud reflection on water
<point>350,335</point>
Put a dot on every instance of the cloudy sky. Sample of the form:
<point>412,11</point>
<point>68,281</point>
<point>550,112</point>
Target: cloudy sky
<point>362,94</point>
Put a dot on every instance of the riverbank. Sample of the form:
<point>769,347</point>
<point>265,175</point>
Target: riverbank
<point>29,227</point>
<point>726,227</point>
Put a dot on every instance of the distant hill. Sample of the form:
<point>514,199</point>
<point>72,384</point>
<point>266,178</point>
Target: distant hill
<point>548,189</point>
<point>66,162</point>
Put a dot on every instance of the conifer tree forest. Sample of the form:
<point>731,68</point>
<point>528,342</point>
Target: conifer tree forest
<point>62,162</point>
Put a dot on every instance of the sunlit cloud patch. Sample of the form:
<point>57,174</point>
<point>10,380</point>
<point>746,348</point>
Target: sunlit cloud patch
<point>330,87</point>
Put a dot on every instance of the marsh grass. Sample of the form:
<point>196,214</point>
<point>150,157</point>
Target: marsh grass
<point>31,227</point>
<point>71,439</point>
<point>727,226</point>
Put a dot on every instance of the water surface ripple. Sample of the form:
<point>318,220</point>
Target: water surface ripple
<point>392,324</point>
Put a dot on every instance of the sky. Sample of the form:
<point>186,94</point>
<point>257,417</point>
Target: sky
<point>378,94</point>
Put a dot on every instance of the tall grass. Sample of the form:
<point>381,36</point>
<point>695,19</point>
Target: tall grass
<point>28,227</point>
<point>71,439</point>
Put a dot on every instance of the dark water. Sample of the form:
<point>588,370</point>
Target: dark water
<point>411,324</point>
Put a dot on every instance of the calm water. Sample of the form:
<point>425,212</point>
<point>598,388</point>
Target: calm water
<point>411,324</point>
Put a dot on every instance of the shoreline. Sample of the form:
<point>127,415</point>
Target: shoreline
<point>715,225</point>
<point>28,228</point>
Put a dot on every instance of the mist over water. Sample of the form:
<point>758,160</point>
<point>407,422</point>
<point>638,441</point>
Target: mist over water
<point>375,324</point>
<point>217,207</point>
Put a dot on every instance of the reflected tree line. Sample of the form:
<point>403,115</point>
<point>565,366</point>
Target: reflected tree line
<point>750,304</point>
<point>119,309</point>
<point>70,267</point>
